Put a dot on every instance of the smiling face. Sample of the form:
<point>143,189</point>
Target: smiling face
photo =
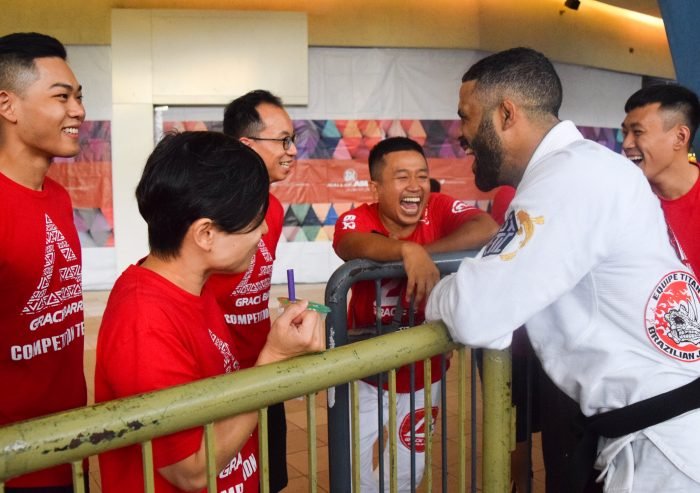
<point>276,125</point>
<point>480,139</point>
<point>402,191</point>
<point>651,139</point>
<point>48,112</point>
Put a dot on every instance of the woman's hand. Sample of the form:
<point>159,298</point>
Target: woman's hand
<point>296,331</point>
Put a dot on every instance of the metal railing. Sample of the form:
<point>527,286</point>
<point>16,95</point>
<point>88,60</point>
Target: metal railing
<point>71,436</point>
<point>342,423</point>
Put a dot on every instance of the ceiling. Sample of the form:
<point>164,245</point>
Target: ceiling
<point>649,7</point>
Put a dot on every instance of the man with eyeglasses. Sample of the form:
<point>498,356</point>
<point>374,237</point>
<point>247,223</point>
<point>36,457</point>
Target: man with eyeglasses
<point>259,120</point>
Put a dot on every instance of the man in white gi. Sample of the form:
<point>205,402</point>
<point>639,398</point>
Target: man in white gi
<point>585,262</point>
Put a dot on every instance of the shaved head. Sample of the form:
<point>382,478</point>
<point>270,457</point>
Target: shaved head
<point>17,54</point>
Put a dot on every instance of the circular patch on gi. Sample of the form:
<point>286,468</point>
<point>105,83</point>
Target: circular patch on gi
<point>405,429</point>
<point>672,316</point>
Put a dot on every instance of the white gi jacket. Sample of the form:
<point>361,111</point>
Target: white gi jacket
<point>584,261</point>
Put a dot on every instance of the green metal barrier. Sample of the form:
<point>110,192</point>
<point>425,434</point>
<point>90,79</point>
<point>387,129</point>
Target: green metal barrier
<point>499,417</point>
<point>71,436</point>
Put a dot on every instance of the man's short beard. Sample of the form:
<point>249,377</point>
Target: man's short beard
<point>488,153</point>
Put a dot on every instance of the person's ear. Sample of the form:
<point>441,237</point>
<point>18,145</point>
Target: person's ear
<point>374,188</point>
<point>681,139</point>
<point>246,141</point>
<point>203,232</point>
<point>7,107</point>
<point>508,113</point>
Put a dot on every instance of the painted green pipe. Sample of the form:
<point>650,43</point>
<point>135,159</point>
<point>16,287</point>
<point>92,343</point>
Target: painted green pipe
<point>70,436</point>
<point>67,437</point>
<point>498,422</point>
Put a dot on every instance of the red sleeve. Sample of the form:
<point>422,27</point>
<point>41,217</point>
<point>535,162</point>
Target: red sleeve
<point>159,357</point>
<point>152,356</point>
<point>500,204</point>
<point>167,363</point>
<point>450,213</point>
<point>363,219</point>
<point>275,221</point>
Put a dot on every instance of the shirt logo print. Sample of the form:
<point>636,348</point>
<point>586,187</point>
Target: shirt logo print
<point>231,364</point>
<point>41,299</point>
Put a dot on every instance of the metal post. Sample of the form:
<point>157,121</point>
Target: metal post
<point>498,423</point>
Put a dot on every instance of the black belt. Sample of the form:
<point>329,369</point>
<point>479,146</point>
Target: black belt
<point>646,413</point>
<point>626,420</point>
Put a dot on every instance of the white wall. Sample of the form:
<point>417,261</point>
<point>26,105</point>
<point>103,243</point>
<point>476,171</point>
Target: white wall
<point>365,83</point>
<point>92,66</point>
<point>356,83</point>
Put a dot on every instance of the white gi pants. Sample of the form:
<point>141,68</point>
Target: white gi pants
<point>633,464</point>
<point>369,482</point>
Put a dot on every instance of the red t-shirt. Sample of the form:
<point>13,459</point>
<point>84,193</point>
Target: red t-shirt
<point>41,311</point>
<point>244,298</point>
<point>501,201</point>
<point>442,216</point>
<point>683,217</point>
<point>155,335</point>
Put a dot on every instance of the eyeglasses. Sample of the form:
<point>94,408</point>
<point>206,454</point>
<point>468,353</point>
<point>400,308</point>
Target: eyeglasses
<point>286,141</point>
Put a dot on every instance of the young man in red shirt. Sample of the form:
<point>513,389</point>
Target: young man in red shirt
<point>407,223</point>
<point>259,120</point>
<point>658,131</point>
<point>41,300</point>
<point>203,196</point>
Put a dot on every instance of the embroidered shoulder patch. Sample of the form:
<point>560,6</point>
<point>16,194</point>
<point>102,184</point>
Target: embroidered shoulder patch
<point>518,224</point>
<point>504,235</point>
<point>672,316</point>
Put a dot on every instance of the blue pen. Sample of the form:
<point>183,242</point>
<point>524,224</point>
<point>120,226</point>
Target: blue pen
<point>290,285</point>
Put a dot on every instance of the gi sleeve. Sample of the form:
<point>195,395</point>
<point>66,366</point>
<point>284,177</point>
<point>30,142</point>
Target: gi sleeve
<point>558,227</point>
